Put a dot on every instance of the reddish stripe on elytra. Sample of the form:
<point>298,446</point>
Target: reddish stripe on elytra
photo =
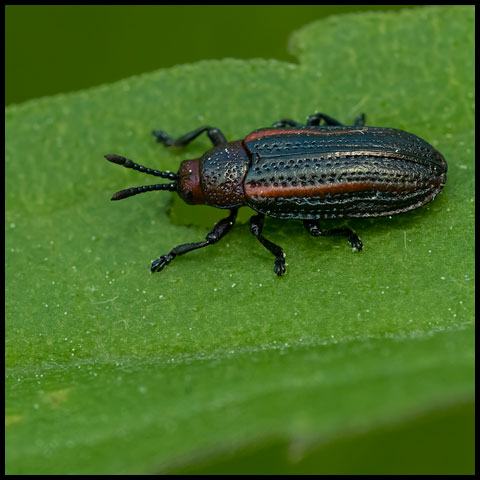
<point>273,191</point>
<point>303,131</point>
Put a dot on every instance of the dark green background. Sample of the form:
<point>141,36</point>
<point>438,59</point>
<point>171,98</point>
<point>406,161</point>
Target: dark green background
<point>53,49</point>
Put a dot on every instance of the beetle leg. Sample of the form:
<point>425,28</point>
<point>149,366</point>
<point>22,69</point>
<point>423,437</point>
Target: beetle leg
<point>256,227</point>
<point>315,120</point>
<point>287,122</point>
<point>313,228</point>
<point>218,232</point>
<point>214,134</point>
<point>360,121</point>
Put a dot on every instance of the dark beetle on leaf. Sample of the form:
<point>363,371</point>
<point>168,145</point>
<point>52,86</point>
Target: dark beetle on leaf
<point>305,172</point>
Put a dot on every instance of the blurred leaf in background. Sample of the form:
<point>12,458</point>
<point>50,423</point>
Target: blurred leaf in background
<point>352,363</point>
<point>59,48</point>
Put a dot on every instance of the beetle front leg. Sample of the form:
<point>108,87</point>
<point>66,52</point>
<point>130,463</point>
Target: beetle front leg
<point>313,228</point>
<point>214,134</point>
<point>218,232</point>
<point>256,227</point>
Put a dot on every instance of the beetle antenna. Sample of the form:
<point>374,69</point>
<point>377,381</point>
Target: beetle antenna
<point>129,192</point>
<point>125,162</point>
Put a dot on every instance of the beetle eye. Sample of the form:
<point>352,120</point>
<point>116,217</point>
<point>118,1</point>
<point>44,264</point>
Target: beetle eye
<point>188,195</point>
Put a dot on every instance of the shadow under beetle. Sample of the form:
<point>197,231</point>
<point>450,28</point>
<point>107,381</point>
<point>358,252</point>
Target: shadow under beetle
<point>306,172</point>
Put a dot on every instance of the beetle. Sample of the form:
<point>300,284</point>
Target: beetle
<point>318,170</point>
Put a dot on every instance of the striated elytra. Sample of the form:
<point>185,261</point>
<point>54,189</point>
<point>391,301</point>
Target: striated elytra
<point>320,170</point>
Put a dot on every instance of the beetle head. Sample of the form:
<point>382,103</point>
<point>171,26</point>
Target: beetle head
<point>188,182</point>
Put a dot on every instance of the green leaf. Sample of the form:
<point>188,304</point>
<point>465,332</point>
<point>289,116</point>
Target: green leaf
<point>113,370</point>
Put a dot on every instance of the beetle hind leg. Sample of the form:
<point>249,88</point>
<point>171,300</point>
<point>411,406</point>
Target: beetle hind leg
<point>313,228</point>
<point>360,120</point>
<point>256,227</point>
<point>286,122</point>
<point>218,232</point>
<point>315,120</point>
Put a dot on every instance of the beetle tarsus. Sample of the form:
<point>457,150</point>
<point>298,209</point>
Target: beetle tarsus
<point>279,267</point>
<point>162,137</point>
<point>160,263</point>
<point>287,122</point>
<point>360,120</point>
<point>355,242</point>
<point>315,120</point>
<point>313,228</point>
